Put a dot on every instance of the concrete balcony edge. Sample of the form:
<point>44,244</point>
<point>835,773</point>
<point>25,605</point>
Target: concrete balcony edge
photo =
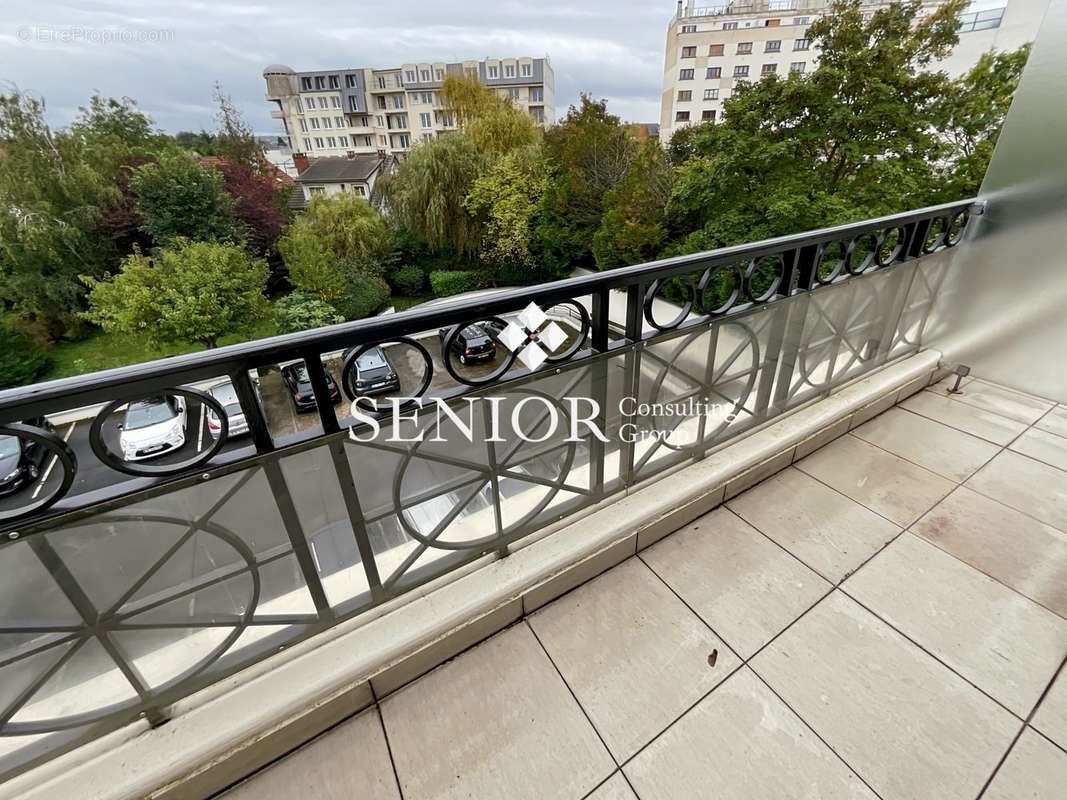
<point>224,733</point>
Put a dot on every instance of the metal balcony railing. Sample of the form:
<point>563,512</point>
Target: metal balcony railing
<point>146,552</point>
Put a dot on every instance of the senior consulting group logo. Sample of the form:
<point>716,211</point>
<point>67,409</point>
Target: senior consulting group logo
<point>532,336</point>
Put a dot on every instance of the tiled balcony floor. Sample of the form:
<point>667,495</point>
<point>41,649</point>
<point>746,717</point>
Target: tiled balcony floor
<point>887,618</point>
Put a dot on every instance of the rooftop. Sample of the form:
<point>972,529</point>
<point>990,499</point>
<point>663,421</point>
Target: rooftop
<point>358,167</point>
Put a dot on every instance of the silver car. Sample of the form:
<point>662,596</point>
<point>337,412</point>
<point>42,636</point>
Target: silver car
<point>226,396</point>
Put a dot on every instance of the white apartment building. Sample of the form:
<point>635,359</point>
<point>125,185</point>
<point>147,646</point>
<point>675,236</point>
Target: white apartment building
<point>710,49</point>
<point>364,110</point>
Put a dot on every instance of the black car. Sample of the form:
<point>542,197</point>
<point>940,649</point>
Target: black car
<point>474,343</point>
<point>21,460</point>
<point>373,373</point>
<point>297,380</point>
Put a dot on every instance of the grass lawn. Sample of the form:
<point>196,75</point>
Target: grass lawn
<point>404,302</point>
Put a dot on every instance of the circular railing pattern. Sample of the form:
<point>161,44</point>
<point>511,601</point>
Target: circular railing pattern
<point>350,371</point>
<point>63,457</point>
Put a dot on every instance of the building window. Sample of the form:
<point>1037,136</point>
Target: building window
<point>494,72</point>
<point>801,20</point>
<point>774,46</point>
<point>685,75</point>
<point>327,122</point>
<point>768,69</point>
<point>381,121</point>
<point>353,103</point>
<point>744,48</point>
<point>299,105</point>
<point>711,94</point>
<point>681,116</point>
<point>509,71</point>
<point>741,71</point>
<point>304,125</point>
<point>708,115</point>
<point>689,52</point>
<point>335,101</point>
<point>339,121</point>
<point>382,140</point>
<point>331,141</point>
<point>801,44</point>
<point>513,94</point>
<point>772,23</point>
<point>716,49</point>
<point>439,74</point>
<point>797,66</point>
<point>343,140</point>
<point>360,191</point>
<point>334,82</point>
<point>713,72</point>
<point>538,114</point>
<point>350,81</point>
<point>320,82</point>
<point>398,101</point>
<point>685,96</point>
<point>305,84</point>
<point>318,142</point>
<point>316,189</point>
<point>689,29</point>
<point>381,81</point>
<point>403,141</point>
<point>424,120</point>
<point>322,102</point>
<point>729,26</point>
<point>307,144</point>
<point>368,141</point>
<point>424,75</point>
<point>315,123</point>
<point>526,69</point>
<point>537,94</point>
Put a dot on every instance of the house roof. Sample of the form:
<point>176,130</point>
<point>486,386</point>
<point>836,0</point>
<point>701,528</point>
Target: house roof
<point>337,169</point>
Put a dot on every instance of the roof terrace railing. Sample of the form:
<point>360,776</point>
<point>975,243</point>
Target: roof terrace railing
<point>166,524</point>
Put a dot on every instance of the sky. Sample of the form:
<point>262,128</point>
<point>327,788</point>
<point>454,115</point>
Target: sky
<point>171,53</point>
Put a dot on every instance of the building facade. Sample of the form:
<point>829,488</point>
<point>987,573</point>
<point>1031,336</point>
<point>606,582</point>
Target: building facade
<point>364,110</point>
<point>709,50</point>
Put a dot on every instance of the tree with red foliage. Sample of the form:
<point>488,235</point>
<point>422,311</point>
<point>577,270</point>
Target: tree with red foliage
<point>259,203</point>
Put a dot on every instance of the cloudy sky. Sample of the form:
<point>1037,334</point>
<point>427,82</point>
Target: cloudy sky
<point>177,50</point>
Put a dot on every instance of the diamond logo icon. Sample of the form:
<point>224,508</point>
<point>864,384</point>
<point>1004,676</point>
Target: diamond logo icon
<point>530,338</point>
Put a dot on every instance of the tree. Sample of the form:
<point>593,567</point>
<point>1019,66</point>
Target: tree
<point>587,154</point>
<point>494,124</point>
<point>50,202</point>
<point>426,193</point>
<point>21,361</point>
<point>505,201</point>
<point>302,311</point>
<point>259,204</point>
<point>969,117</point>
<point>234,140</point>
<point>202,143</point>
<point>633,228</point>
<point>188,291</point>
<point>178,198</point>
<point>851,139</point>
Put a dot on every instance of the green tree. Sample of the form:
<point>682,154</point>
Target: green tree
<point>505,201</point>
<point>21,361</point>
<point>586,154</point>
<point>178,198</point>
<point>849,140</point>
<point>426,192</point>
<point>50,205</point>
<point>234,140</point>
<point>969,117</point>
<point>494,124</point>
<point>633,228</point>
<point>302,311</point>
<point>188,291</point>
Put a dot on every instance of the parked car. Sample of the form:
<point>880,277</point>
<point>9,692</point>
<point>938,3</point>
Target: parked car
<point>374,373</point>
<point>21,460</point>
<point>152,427</point>
<point>298,382</point>
<point>227,398</point>
<point>473,344</point>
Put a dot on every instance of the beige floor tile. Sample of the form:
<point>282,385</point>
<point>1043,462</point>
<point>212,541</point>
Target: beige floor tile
<point>634,656</point>
<point>984,424</point>
<point>899,718</point>
<point>830,533</point>
<point>929,444</point>
<point>1043,446</point>
<point>742,742</point>
<point>1051,716</point>
<point>1006,402</point>
<point>1035,770</point>
<point>897,489</point>
<point>1018,551</point>
<point>742,584</point>
<point>1006,645</point>
<point>1027,485</point>
<point>350,761</point>
<point>1054,421</point>
<point>614,788</point>
<point>496,722</point>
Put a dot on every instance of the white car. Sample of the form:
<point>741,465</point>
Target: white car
<point>235,417</point>
<point>152,427</point>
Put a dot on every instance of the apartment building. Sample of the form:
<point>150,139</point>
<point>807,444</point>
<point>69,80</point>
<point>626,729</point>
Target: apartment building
<point>710,49</point>
<point>365,110</point>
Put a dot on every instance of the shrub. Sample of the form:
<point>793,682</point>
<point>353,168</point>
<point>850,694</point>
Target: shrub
<point>409,279</point>
<point>456,282</point>
<point>301,311</point>
<point>366,294</point>
<point>21,362</point>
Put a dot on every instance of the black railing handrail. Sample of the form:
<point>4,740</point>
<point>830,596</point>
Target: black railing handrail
<point>203,365</point>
